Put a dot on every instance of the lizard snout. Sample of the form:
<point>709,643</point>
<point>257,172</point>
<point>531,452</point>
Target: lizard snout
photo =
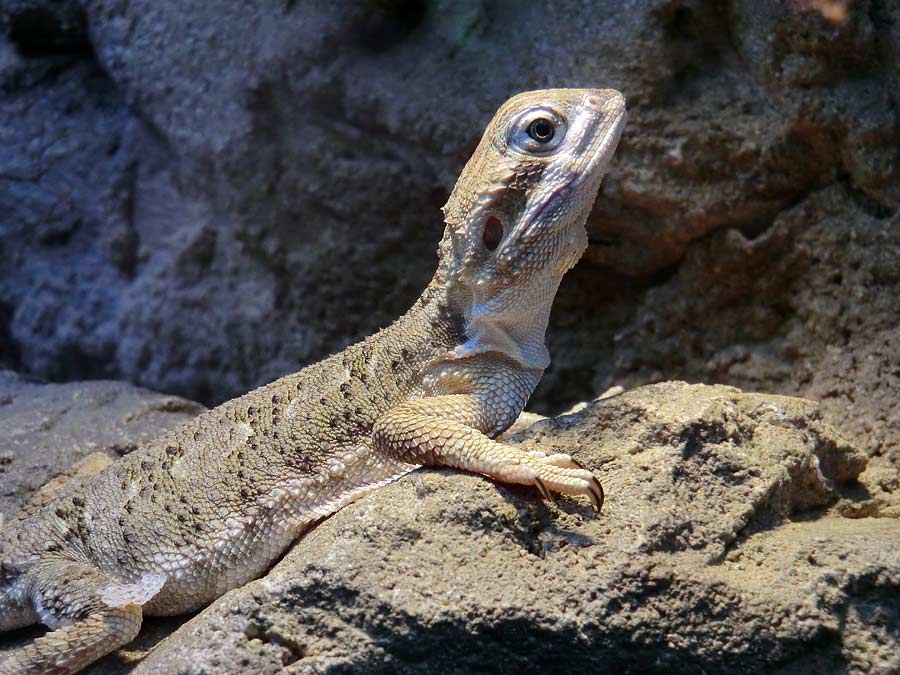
<point>607,100</point>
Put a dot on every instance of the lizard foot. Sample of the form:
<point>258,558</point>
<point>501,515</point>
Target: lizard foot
<point>83,627</point>
<point>434,430</point>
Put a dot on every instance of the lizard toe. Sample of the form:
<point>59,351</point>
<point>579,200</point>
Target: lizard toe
<point>563,461</point>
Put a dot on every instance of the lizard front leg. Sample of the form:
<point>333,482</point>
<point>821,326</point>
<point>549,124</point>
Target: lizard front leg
<point>449,430</point>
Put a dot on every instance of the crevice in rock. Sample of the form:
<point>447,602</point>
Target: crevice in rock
<point>49,31</point>
<point>291,650</point>
<point>757,228</point>
<point>10,355</point>
<point>865,202</point>
<point>389,22</point>
<point>882,19</point>
<point>697,38</point>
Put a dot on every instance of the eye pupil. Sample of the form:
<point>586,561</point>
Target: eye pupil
<point>541,130</point>
<point>492,233</point>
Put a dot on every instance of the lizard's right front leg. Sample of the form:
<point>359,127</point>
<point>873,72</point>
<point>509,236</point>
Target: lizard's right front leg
<point>449,430</point>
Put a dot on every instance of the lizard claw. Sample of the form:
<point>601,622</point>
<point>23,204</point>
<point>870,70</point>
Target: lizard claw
<point>542,488</point>
<point>596,494</point>
<point>561,473</point>
<point>596,489</point>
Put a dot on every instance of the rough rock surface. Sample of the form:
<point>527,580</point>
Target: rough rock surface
<point>723,547</point>
<point>199,197</point>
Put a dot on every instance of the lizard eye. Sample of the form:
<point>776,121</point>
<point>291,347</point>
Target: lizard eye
<point>492,233</point>
<point>538,132</point>
<point>541,130</point>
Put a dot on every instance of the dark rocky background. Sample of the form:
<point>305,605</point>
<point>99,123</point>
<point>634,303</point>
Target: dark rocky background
<point>201,196</point>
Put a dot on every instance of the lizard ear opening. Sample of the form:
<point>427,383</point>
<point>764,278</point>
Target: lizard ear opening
<point>492,233</point>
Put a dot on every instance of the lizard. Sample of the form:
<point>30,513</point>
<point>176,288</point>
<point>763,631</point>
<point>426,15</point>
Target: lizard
<point>212,504</point>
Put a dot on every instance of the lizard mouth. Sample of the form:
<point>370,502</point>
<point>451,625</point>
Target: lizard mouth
<point>600,147</point>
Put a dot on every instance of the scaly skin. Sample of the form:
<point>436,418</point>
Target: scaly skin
<point>210,505</point>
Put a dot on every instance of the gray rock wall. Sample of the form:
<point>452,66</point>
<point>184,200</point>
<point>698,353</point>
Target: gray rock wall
<point>201,196</point>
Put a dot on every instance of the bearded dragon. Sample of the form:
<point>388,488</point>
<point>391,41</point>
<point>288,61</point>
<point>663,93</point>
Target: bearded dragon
<point>212,504</point>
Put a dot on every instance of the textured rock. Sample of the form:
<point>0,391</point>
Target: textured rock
<point>721,548</point>
<point>718,551</point>
<point>199,197</point>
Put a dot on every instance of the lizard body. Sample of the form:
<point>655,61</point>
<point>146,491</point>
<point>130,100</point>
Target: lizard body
<point>210,505</point>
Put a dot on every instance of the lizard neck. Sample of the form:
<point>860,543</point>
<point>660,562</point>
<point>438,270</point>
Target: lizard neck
<point>439,312</point>
<point>485,328</point>
<point>517,336</point>
<point>461,339</point>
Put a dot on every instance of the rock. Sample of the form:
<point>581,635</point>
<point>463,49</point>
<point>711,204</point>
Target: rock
<point>735,538</point>
<point>744,312</point>
<point>228,188</point>
<point>721,548</point>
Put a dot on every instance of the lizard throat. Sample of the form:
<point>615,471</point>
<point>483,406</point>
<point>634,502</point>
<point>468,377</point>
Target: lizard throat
<point>510,323</point>
<point>490,336</point>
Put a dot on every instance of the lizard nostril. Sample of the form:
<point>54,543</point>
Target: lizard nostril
<point>592,101</point>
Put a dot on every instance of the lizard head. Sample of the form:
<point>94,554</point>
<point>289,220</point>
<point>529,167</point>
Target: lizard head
<point>516,217</point>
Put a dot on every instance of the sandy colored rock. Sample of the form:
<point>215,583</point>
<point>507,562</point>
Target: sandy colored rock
<point>720,549</point>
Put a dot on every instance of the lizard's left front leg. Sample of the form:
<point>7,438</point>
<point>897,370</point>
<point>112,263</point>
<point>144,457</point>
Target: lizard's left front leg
<point>450,430</point>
